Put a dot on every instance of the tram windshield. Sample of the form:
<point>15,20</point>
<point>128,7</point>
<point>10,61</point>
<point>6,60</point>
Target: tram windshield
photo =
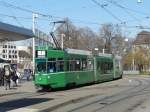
<point>50,66</point>
<point>41,67</point>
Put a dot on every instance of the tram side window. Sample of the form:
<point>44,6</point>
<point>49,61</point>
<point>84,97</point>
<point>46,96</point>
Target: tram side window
<point>75,65</point>
<point>84,64</point>
<point>72,65</point>
<point>99,66</point>
<point>51,65</point>
<point>78,65</point>
<point>89,65</point>
<point>41,66</point>
<point>60,65</point>
<point>106,67</point>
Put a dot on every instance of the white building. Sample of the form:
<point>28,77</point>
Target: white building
<point>8,51</point>
<point>16,54</point>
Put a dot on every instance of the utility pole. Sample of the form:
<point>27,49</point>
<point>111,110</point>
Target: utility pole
<point>68,35</point>
<point>34,16</point>
<point>62,41</point>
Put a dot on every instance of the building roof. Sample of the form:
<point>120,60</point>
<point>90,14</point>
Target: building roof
<point>13,33</point>
<point>143,38</point>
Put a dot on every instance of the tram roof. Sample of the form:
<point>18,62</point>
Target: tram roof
<point>77,51</point>
<point>105,55</point>
<point>118,57</point>
<point>14,33</point>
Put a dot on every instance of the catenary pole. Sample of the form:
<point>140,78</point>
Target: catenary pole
<point>34,16</point>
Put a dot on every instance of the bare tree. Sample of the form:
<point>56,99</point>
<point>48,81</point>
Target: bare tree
<point>112,36</point>
<point>78,38</point>
<point>87,38</point>
<point>70,32</point>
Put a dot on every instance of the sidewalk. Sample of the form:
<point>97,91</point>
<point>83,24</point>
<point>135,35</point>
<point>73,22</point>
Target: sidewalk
<point>24,86</point>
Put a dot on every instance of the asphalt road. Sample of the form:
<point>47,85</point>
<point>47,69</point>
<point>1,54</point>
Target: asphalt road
<point>130,94</point>
<point>133,98</point>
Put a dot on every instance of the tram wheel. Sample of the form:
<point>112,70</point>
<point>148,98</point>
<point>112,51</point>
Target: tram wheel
<point>46,88</point>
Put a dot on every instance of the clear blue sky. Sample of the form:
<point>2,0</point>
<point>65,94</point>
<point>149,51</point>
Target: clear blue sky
<point>81,12</point>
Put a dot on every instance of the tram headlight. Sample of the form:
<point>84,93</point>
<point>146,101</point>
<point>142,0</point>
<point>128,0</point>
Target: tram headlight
<point>48,77</point>
<point>36,74</point>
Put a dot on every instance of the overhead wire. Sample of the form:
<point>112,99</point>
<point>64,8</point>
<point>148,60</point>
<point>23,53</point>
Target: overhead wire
<point>120,6</point>
<point>10,16</point>
<point>130,9</point>
<point>6,4</point>
<point>26,10</point>
<point>109,12</point>
<point>127,11</point>
<point>16,19</point>
<point>44,15</point>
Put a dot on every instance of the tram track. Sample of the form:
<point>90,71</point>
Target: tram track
<point>131,95</point>
<point>140,87</point>
<point>138,83</point>
<point>126,94</point>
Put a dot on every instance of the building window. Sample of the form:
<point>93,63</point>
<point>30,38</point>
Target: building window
<point>9,51</point>
<point>15,47</point>
<point>11,46</point>
<point>15,56</point>
<point>15,52</point>
<point>4,46</point>
<point>9,56</point>
<point>3,51</point>
<point>3,56</point>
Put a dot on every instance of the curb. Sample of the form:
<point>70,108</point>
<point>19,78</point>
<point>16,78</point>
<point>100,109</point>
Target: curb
<point>7,94</point>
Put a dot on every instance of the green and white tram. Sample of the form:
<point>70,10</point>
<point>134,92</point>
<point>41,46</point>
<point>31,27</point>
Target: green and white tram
<point>71,67</point>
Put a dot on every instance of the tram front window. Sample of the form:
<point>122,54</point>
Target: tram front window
<point>41,67</point>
